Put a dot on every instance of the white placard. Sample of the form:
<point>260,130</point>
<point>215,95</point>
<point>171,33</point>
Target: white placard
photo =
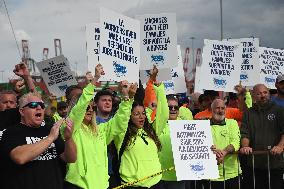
<point>221,65</point>
<point>56,74</point>
<point>177,82</point>
<point>119,46</point>
<point>271,65</point>
<point>198,74</point>
<point>158,40</point>
<point>191,142</point>
<point>250,62</point>
<point>178,75</point>
<point>163,75</point>
<point>93,45</point>
<point>169,87</point>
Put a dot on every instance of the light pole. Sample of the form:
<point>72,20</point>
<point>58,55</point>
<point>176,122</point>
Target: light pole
<point>221,19</point>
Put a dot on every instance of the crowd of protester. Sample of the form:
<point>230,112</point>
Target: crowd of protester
<point>107,138</point>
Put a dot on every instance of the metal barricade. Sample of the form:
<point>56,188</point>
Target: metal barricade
<point>204,184</point>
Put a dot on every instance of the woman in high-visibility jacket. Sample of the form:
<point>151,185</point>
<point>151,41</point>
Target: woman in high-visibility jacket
<point>138,148</point>
<point>90,171</point>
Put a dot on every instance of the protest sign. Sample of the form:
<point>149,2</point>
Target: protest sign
<point>198,74</point>
<point>119,46</point>
<point>177,82</point>
<point>163,75</point>
<point>221,65</point>
<point>169,87</point>
<point>56,74</point>
<point>93,45</point>
<point>158,40</point>
<point>191,142</point>
<point>250,62</point>
<point>178,75</point>
<point>271,65</point>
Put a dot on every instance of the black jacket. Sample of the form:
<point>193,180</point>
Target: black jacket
<point>263,126</point>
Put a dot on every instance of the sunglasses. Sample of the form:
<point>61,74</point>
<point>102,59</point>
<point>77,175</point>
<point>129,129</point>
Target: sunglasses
<point>89,107</point>
<point>34,105</point>
<point>173,107</point>
<point>154,105</point>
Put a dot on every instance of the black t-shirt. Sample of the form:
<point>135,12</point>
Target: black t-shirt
<point>9,118</point>
<point>41,173</point>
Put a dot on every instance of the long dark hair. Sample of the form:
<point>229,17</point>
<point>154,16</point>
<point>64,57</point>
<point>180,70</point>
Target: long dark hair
<point>132,130</point>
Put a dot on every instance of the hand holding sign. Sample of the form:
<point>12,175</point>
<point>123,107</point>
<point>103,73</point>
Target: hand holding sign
<point>240,90</point>
<point>153,73</point>
<point>98,72</point>
<point>132,90</point>
<point>123,88</point>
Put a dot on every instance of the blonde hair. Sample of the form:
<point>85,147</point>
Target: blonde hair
<point>24,99</point>
<point>93,127</point>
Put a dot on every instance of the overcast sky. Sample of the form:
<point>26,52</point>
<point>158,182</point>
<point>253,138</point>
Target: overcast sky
<point>41,21</point>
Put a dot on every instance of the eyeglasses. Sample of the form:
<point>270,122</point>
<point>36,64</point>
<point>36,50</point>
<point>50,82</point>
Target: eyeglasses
<point>89,107</point>
<point>34,105</point>
<point>139,114</point>
<point>173,107</point>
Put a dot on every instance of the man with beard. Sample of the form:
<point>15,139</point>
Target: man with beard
<point>226,139</point>
<point>279,84</point>
<point>262,129</point>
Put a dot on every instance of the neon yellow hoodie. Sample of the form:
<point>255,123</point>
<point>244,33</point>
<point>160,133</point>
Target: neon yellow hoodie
<point>166,154</point>
<point>140,160</point>
<point>90,171</point>
<point>222,137</point>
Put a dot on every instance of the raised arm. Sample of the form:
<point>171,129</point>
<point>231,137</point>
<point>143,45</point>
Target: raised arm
<point>22,71</point>
<point>162,111</point>
<point>119,123</point>
<point>77,113</point>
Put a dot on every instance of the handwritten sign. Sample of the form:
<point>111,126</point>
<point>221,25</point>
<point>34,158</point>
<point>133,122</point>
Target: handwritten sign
<point>158,40</point>
<point>56,74</point>
<point>191,142</point>
<point>119,46</point>
<point>93,45</point>
<point>271,65</point>
<point>221,65</point>
<point>250,62</point>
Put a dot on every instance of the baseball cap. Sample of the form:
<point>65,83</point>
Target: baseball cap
<point>280,78</point>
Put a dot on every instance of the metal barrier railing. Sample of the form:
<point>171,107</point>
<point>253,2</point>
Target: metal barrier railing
<point>202,184</point>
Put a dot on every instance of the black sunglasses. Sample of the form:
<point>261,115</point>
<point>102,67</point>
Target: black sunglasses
<point>173,107</point>
<point>89,107</point>
<point>34,105</point>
